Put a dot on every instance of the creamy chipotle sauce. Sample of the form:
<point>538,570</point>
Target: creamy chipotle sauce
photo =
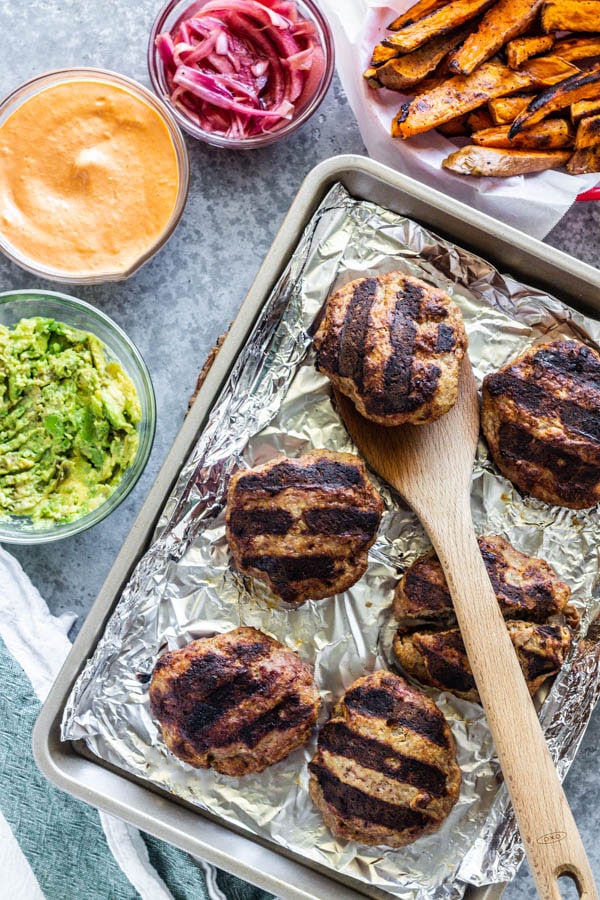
<point>88,178</point>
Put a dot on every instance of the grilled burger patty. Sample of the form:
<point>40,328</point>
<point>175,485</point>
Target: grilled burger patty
<point>541,419</point>
<point>385,770</point>
<point>237,702</point>
<point>393,344</point>
<point>429,646</point>
<point>304,526</point>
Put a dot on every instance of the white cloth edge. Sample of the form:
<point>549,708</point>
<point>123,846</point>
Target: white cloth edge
<point>15,867</point>
<point>38,641</point>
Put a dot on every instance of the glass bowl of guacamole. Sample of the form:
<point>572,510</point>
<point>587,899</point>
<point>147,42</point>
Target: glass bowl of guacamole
<point>77,416</point>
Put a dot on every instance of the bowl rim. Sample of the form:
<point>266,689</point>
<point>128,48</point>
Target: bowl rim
<point>155,69</point>
<point>146,427</point>
<point>26,89</point>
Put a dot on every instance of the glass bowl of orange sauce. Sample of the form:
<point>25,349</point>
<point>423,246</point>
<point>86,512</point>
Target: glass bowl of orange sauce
<point>94,175</point>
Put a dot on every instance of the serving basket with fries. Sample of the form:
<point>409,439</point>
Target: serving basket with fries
<point>495,102</point>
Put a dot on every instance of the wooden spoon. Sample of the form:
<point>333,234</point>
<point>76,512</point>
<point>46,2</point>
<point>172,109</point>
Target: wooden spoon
<point>431,466</point>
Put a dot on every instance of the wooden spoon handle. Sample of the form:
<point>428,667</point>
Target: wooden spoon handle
<point>549,832</point>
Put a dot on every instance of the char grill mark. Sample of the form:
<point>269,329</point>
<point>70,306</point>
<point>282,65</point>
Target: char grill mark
<point>574,477</point>
<point>565,359</point>
<point>533,599</point>
<point>428,593</point>
<point>351,520</point>
<point>350,802</point>
<point>537,400</point>
<point>538,664</point>
<point>445,339</point>
<point>371,754</point>
<point>545,658</point>
<point>403,331</point>
<point>288,713</point>
<point>382,704</point>
<point>353,336</point>
<point>327,475</point>
<point>440,653</point>
<point>401,391</point>
<point>521,598</point>
<point>285,569</point>
<point>250,523</point>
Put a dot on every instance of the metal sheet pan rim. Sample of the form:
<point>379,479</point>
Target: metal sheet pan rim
<point>49,755</point>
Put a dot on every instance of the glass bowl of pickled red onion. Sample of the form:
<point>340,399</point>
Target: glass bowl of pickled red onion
<point>241,73</point>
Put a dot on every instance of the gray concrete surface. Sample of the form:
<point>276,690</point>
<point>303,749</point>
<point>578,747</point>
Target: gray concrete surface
<point>177,305</point>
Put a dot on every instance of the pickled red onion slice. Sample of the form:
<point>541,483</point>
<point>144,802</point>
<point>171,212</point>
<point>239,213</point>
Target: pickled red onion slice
<point>243,67</point>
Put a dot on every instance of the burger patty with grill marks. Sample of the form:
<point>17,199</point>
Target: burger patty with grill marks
<point>237,702</point>
<point>393,344</point>
<point>304,526</point>
<point>541,419</point>
<point>385,770</point>
<point>428,645</point>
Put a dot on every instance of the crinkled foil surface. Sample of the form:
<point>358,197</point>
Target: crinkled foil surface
<point>275,402</point>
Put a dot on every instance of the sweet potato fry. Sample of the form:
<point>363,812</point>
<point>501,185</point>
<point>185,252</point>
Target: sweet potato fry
<point>407,71</point>
<point>575,48</point>
<point>555,134</point>
<point>450,16</point>
<point>458,127</point>
<point>371,77</point>
<point>382,54</point>
<point>548,70</point>
<point>584,161</point>
<point>491,162</point>
<point>584,108</point>
<point>588,133</point>
<point>479,119</point>
<point>504,110</point>
<point>461,94</point>
<point>583,86</point>
<point>571,15</point>
<point>520,50</point>
<point>417,11</point>
<point>429,84</point>
<point>505,20</point>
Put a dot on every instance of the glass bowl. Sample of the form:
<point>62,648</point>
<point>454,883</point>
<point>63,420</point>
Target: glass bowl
<point>16,305</point>
<point>24,92</point>
<point>169,17</point>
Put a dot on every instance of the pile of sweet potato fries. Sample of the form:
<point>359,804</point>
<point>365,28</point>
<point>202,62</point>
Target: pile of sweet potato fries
<point>519,78</point>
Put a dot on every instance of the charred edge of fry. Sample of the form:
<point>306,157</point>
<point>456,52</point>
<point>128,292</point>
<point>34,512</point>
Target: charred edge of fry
<point>562,89</point>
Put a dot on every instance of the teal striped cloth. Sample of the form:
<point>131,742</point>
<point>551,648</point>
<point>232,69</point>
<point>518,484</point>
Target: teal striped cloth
<point>52,846</point>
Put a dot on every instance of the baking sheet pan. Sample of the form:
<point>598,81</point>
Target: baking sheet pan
<point>525,258</point>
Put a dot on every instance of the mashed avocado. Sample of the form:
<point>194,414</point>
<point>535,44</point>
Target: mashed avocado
<point>67,422</point>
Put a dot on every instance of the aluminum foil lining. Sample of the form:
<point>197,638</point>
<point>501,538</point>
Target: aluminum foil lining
<point>275,402</point>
